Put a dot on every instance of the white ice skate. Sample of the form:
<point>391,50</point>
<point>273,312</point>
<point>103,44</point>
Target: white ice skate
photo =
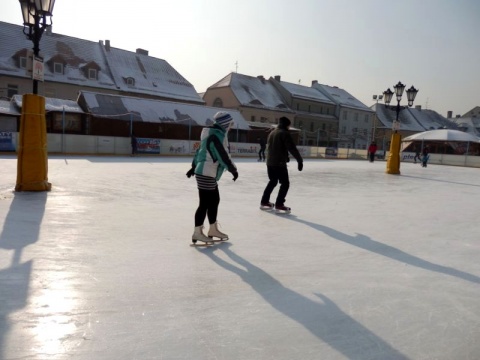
<point>198,235</point>
<point>266,206</point>
<point>215,234</point>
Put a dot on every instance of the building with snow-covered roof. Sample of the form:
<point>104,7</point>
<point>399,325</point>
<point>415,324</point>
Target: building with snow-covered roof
<point>255,97</point>
<point>314,112</point>
<point>469,125</point>
<point>116,115</point>
<point>475,112</point>
<point>411,121</point>
<point>355,119</point>
<point>73,64</point>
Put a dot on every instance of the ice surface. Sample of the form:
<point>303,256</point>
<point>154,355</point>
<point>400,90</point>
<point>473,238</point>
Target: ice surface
<point>367,266</point>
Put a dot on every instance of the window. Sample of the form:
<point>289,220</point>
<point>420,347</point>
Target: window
<point>92,74</point>
<point>345,114</point>
<point>344,130</point>
<point>324,126</point>
<point>58,68</point>
<point>23,62</point>
<point>12,90</point>
<point>130,81</point>
<point>311,127</point>
<point>218,103</point>
<point>252,118</point>
<point>263,119</point>
<point>309,108</point>
<point>366,118</point>
<point>356,116</point>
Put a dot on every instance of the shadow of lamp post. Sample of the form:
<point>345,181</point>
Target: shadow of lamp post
<point>393,161</point>
<point>32,164</point>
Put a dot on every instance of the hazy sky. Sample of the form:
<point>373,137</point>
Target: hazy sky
<point>362,46</point>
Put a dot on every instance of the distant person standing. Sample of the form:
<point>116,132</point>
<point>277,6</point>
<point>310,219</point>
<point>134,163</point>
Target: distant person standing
<point>133,142</point>
<point>372,149</point>
<point>263,146</point>
<point>279,144</point>
<point>425,156</point>
<point>417,155</point>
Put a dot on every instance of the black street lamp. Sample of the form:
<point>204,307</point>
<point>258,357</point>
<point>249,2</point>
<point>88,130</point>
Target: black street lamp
<point>35,13</point>
<point>393,162</point>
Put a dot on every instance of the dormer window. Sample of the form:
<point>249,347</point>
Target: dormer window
<point>23,62</point>
<point>92,74</point>
<point>57,68</point>
<point>218,102</point>
<point>130,81</point>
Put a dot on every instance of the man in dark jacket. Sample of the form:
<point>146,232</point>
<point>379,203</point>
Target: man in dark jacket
<point>279,144</point>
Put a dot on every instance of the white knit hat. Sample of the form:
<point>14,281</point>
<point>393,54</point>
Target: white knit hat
<point>223,119</point>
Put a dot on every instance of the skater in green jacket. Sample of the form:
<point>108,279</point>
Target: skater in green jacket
<point>208,165</point>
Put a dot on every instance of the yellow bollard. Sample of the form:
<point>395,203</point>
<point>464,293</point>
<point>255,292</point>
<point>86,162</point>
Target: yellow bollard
<point>32,163</point>
<point>393,161</point>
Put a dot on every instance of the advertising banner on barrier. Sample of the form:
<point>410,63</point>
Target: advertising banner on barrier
<point>6,141</point>
<point>148,146</point>
<point>331,152</point>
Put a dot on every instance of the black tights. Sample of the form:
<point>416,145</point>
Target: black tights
<point>209,200</point>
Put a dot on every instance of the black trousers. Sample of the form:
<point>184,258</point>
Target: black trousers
<point>208,205</point>
<point>260,153</point>
<point>277,174</point>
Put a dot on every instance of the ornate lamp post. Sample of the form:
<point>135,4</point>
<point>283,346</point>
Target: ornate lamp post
<point>393,162</point>
<point>35,13</point>
<point>32,164</point>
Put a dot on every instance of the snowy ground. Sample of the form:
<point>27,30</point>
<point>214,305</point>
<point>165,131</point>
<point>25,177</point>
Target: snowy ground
<point>368,266</point>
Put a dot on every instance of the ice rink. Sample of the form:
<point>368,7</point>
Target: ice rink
<point>367,266</point>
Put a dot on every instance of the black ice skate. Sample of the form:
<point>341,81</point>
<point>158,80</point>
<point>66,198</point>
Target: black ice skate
<point>266,206</point>
<point>282,209</point>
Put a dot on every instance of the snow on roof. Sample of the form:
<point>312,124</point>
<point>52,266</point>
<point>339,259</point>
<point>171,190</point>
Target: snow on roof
<point>8,108</point>
<point>73,52</point>
<point>122,107</point>
<point>468,124</point>
<point>412,119</point>
<point>341,97</point>
<point>305,92</point>
<point>253,91</point>
<point>51,104</point>
<point>150,75</point>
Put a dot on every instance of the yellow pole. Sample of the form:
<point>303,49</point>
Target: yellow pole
<point>32,164</point>
<point>393,162</point>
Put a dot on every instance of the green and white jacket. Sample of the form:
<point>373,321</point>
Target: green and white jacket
<point>212,158</point>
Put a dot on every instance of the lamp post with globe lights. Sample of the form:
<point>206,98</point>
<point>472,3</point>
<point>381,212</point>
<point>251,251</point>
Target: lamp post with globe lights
<point>32,163</point>
<point>393,162</point>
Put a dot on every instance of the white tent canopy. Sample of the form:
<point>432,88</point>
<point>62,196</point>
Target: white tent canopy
<point>443,135</point>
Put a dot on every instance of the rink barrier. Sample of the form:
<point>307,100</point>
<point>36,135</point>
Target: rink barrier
<point>108,145</point>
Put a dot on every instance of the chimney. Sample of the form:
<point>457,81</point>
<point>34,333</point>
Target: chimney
<point>277,78</point>
<point>314,82</point>
<point>418,107</point>
<point>449,114</point>
<point>261,78</point>
<point>142,52</point>
<point>107,45</point>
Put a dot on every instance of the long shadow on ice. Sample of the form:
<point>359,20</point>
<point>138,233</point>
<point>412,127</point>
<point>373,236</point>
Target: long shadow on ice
<point>322,318</point>
<point>364,242</point>
<point>20,229</point>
